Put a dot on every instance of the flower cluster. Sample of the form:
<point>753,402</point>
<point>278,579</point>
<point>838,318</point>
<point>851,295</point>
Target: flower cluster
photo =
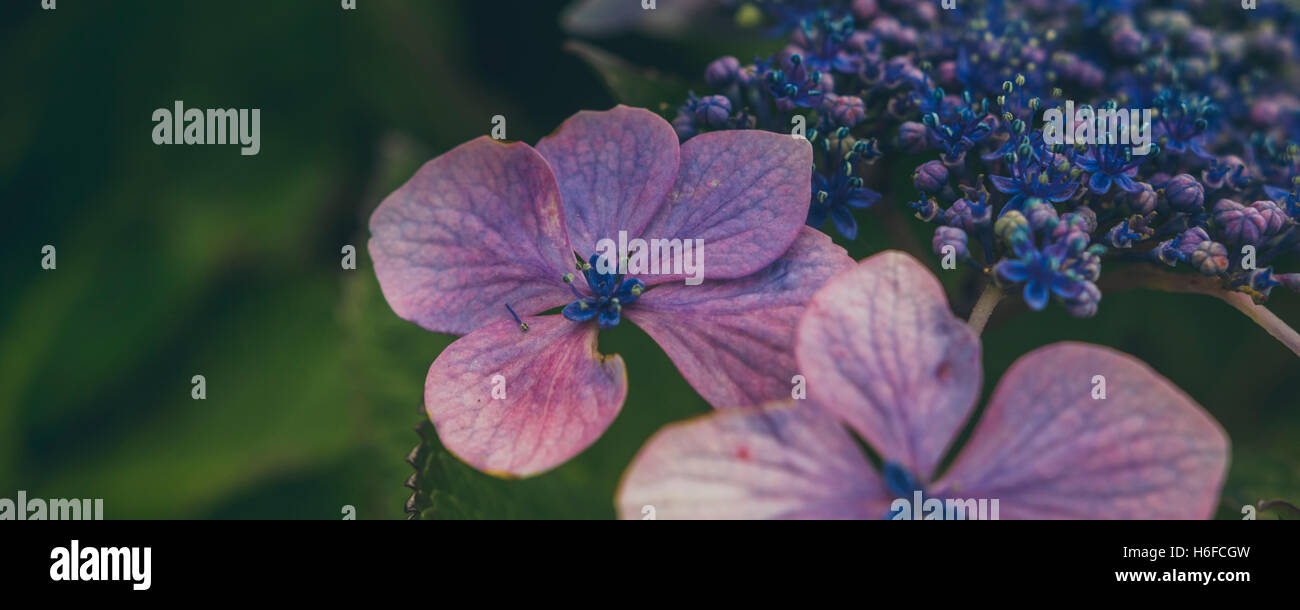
<point>958,97</point>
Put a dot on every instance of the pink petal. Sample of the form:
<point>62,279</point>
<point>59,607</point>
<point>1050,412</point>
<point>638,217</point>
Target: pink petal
<point>745,193</point>
<point>881,350</point>
<point>780,461</point>
<point>560,394</point>
<point>733,340</point>
<point>614,168</point>
<point>1046,449</point>
<point>476,228</point>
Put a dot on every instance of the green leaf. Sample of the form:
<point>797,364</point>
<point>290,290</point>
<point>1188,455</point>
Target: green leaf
<point>1285,511</point>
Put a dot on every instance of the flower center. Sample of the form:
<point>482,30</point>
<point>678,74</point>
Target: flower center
<point>610,293</point>
<point>901,483</point>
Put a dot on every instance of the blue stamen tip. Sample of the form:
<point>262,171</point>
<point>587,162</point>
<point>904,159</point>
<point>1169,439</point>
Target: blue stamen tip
<point>523,326</point>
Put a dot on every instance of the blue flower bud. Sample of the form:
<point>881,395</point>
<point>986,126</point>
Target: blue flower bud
<point>684,125</point>
<point>1143,201</point>
<point>1085,304</point>
<point>1088,216</point>
<point>1076,243</point>
<point>930,177</point>
<point>1010,225</point>
<point>713,111</point>
<point>1185,193</point>
<point>1209,257</point>
<point>912,137</point>
<point>747,76</point>
<point>967,215</point>
<point>950,236</point>
<point>1041,215</point>
<point>1274,217</point>
<point>722,72</point>
<point>847,110</point>
<point>1241,225</point>
<point>1189,240</point>
<point>1075,221</point>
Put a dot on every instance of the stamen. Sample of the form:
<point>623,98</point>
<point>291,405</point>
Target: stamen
<point>522,325</point>
<point>622,270</point>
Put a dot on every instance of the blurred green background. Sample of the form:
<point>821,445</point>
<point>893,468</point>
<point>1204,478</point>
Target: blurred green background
<point>186,260</point>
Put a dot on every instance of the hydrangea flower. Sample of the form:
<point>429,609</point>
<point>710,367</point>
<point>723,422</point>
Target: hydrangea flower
<point>1110,164</point>
<point>884,357</point>
<point>1181,123</point>
<point>1043,272</point>
<point>792,86</point>
<point>490,230</point>
<point>970,86</point>
<point>827,42</point>
<point>835,196</point>
<point>1035,172</point>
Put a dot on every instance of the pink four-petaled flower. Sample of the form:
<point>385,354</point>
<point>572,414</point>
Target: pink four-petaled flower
<point>488,225</point>
<point>884,356</point>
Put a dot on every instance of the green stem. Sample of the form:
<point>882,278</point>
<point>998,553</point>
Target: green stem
<point>979,315</point>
